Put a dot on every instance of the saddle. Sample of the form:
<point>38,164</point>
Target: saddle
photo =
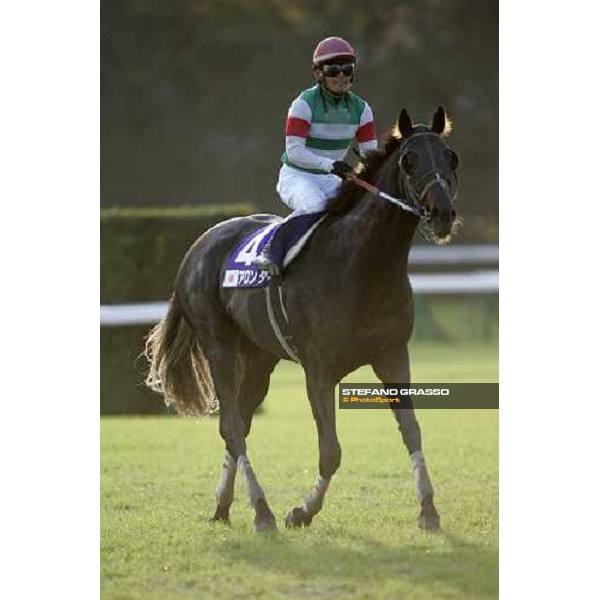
<point>239,270</point>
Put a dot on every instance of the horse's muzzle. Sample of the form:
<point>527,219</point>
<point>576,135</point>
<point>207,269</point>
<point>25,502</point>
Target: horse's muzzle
<point>442,215</point>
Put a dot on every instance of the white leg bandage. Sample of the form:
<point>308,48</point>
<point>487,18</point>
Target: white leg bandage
<point>255,492</point>
<point>226,485</point>
<point>314,501</point>
<point>423,485</point>
<point>418,460</point>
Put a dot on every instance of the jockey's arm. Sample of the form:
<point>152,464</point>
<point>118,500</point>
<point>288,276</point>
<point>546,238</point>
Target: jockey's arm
<point>297,127</point>
<point>300,155</point>
<point>365,135</point>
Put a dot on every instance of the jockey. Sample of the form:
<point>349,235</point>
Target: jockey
<point>322,123</point>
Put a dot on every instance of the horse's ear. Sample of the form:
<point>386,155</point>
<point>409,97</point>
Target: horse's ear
<point>405,124</point>
<point>438,125</point>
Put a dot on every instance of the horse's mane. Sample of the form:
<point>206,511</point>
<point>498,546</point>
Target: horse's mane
<point>367,169</point>
<point>370,165</point>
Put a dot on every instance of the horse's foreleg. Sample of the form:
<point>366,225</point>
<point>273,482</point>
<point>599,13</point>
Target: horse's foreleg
<point>322,401</point>
<point>396,369</point>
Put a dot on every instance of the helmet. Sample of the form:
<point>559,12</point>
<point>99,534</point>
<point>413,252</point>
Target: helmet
<point>330,48</point>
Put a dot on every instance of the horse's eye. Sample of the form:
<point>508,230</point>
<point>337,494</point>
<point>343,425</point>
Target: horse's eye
<point>410,161</point>
<point>452,158</point>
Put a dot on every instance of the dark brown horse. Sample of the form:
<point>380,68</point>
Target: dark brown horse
<point>348,301</point>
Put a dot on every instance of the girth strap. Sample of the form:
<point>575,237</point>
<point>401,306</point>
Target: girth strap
<point>279,319</point>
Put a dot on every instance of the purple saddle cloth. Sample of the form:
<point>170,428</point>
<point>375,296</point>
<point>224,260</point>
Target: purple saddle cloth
<point>239,272</point>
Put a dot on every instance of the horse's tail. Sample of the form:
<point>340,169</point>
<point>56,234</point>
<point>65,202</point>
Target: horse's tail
<point>178,367</point>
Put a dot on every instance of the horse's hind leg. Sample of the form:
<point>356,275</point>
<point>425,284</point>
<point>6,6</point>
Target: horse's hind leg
<point>225,489</point>
<point>224,349</point>
<point>227,371</point>
<point>395,368</point>
<point>255,385</point>
<point>321,395</point>
<point>252,391</point>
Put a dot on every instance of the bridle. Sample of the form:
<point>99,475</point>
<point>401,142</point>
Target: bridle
<point>416,190</point>
<point>413,191</point>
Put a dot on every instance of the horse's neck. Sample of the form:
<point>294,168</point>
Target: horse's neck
<point>382,235</point>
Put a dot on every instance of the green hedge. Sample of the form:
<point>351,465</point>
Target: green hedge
<point>122,373</point>
<point>142,248</point>
<point>140,253</point>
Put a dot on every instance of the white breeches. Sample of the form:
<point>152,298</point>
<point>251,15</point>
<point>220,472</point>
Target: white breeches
<point>306,192</point>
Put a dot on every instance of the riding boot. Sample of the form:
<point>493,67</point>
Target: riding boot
<point>271,257</point>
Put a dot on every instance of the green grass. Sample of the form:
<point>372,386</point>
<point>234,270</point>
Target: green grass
<point>158,477</point>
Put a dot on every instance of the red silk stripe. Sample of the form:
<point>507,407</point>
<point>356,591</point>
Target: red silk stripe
<point>366,132</point>
<point>297,127</point>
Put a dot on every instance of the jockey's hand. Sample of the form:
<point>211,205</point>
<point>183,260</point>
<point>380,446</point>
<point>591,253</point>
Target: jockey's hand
<point>341,168</point>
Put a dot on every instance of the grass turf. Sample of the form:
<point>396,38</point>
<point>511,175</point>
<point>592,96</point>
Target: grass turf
<point>158,477</point>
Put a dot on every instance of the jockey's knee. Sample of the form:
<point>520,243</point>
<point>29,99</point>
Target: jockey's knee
<point>310,204</point>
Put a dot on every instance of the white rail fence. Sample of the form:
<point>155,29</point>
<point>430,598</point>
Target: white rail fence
<point>471,282</point>
<point>454,255</point>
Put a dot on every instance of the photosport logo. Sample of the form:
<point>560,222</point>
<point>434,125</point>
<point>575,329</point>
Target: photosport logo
<point>418,395</point>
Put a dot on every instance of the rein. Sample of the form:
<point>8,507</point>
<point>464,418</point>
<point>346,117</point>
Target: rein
<point>418,211</point>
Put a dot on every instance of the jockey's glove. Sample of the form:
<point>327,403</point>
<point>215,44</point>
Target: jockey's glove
<point>341,168</point>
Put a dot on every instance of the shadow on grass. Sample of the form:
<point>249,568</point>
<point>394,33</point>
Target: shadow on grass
<point>345,560</point>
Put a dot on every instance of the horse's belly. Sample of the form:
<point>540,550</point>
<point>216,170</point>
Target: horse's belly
<point>248,309</point>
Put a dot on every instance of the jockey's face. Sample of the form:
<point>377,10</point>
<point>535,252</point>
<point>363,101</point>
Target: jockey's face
<point>338,79</point>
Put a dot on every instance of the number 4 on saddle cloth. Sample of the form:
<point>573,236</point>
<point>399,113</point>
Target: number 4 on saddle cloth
<point>284,240</point>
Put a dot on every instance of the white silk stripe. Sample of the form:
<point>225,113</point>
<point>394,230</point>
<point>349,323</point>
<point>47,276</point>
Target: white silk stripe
<point>367,115</point>
<point>293,143</point>
<point>333,131</point>
<point>300,109</point>
<point>309,158</point>
<point>333,154</point>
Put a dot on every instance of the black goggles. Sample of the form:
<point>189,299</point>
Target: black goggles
<point>335,70</point>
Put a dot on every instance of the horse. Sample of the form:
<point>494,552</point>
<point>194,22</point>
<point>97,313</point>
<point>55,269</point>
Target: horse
<point>349,303</point>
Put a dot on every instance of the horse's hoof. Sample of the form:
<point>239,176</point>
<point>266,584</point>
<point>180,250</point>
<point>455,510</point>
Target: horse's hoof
<point>221,515</point>
<point>265,524</point>
<point>297,517</point>
<point>429,518</point>
<point>429,522</point>
<point>264,519</point>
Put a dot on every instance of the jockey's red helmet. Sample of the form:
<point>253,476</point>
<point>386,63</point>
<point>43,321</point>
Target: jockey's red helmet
<point>332,48</point>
